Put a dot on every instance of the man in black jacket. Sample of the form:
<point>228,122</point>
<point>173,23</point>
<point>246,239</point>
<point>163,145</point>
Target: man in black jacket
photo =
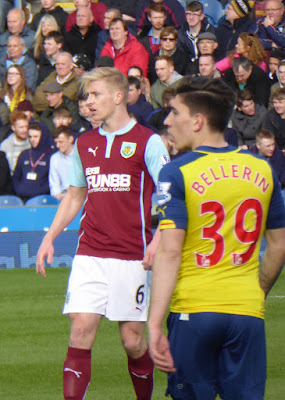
<point>245,74</point>
<point>50,7</point>
<point>83,36</point>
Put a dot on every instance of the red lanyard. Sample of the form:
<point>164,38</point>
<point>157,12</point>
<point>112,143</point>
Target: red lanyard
<point>34,165</point>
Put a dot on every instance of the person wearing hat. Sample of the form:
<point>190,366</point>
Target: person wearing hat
<point>55,98</point>
<point>82,37</point>
<point>195,24</point>
<point>271,29</point>
<point>27,108</point>
<point>64,75</point>
<point>207,45</point>
<point>240,17</point>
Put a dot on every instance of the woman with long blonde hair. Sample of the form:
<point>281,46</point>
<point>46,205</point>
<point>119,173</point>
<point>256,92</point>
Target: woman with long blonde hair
<point>249,46</point>
<point>15,89</point>
<point>47,24</point>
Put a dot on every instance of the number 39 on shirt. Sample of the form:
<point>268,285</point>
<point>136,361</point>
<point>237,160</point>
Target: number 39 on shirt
<point>243,235</point>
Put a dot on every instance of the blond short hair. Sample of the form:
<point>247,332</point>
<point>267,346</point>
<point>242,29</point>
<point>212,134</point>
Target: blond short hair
<point>112,76</point>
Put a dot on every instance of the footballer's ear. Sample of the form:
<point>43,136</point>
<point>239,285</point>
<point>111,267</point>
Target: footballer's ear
<point>119,97</point>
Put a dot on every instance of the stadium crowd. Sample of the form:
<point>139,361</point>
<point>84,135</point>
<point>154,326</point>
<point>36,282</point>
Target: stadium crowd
<point>155,43</point>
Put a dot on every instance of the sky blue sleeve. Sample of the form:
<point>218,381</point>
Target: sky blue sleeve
<point>76,175</point>
<point>156,156</point>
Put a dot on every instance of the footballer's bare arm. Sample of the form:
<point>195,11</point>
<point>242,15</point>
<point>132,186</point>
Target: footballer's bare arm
<point>67,210</point>
<point>165,271</point>
<point>273,260</point>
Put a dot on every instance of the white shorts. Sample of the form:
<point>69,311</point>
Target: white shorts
<point>117,289</point>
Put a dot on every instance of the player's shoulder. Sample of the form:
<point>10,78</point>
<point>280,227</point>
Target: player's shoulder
<point>86,135</point>
<point>142,130</point>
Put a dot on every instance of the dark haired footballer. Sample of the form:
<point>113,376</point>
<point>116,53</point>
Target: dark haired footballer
<point>215,204</point>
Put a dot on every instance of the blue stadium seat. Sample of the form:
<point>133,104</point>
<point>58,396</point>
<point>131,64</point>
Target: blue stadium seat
<point>42,200</point>
<point>10,201</point>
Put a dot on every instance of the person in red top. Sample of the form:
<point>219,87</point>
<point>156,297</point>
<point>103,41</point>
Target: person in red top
<point>98,10</point>
<point>125,49</point>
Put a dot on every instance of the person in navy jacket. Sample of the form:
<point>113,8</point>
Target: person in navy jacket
<point>30,177</point>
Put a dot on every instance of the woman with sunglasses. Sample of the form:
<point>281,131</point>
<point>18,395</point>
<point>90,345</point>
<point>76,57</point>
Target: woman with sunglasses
<point>168,47</point>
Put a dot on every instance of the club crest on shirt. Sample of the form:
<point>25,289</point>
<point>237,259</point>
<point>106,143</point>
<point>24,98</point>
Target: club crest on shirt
<point>128,149</point>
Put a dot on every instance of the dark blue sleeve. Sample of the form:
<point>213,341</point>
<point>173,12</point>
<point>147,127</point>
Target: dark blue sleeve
<point>276,211</point>
<point>171,196</point>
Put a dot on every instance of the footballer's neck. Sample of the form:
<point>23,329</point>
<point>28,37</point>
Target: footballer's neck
<point>211,139</point>
<point>117,121</point>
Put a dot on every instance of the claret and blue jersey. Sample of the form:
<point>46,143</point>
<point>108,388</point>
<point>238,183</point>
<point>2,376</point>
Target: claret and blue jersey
<point>119,171</point>
<point>224,198</point>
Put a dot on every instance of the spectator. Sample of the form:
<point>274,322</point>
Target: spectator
<point>280,74</point>
<point>98,10</point>
<point>207,67</point>
<point>247,118</point>
<point>52,46</point>
<point>82,124</point>
<point>157,117</point>
<point>167,77</point>
<point>14,88</point>
<point>249,46</point>
<point>168,47</point>
<point>27,108</point>
<point>30,177</point>
<point>245,74</point>
<point>207,44</point>
<point>266,147</point>
<point>47,25</point>
<point>137,103</point>
<point>124,48</point>
<point>50,8</point>
<point>127,9</point>
<point>271,27</point>
<point>174,13</point>
<point>240,17</point>
<point>274,61</point>
<point>4,120</point>
<point>195,25</point>
<point>145,84</point>
<point>16,54</point>
<point>150,36</point>
<point>60,162</point>
<point>275,119</point>
<point>6,6</point>
<point>6,186</point>
<point>61,117</point>
<point>55,98</point>
<point>16,24</point>
<point>64,75</point>
<point>82,37</point>
<point>18,140</point>
<point>168,142</point>
<point>104,35</point>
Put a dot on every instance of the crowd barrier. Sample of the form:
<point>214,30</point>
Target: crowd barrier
<point>22,230</point>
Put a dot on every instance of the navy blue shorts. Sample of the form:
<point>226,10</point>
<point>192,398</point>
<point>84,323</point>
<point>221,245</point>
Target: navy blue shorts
<point>217,353</point>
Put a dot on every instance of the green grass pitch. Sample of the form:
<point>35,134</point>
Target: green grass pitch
<point>34,337</point>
